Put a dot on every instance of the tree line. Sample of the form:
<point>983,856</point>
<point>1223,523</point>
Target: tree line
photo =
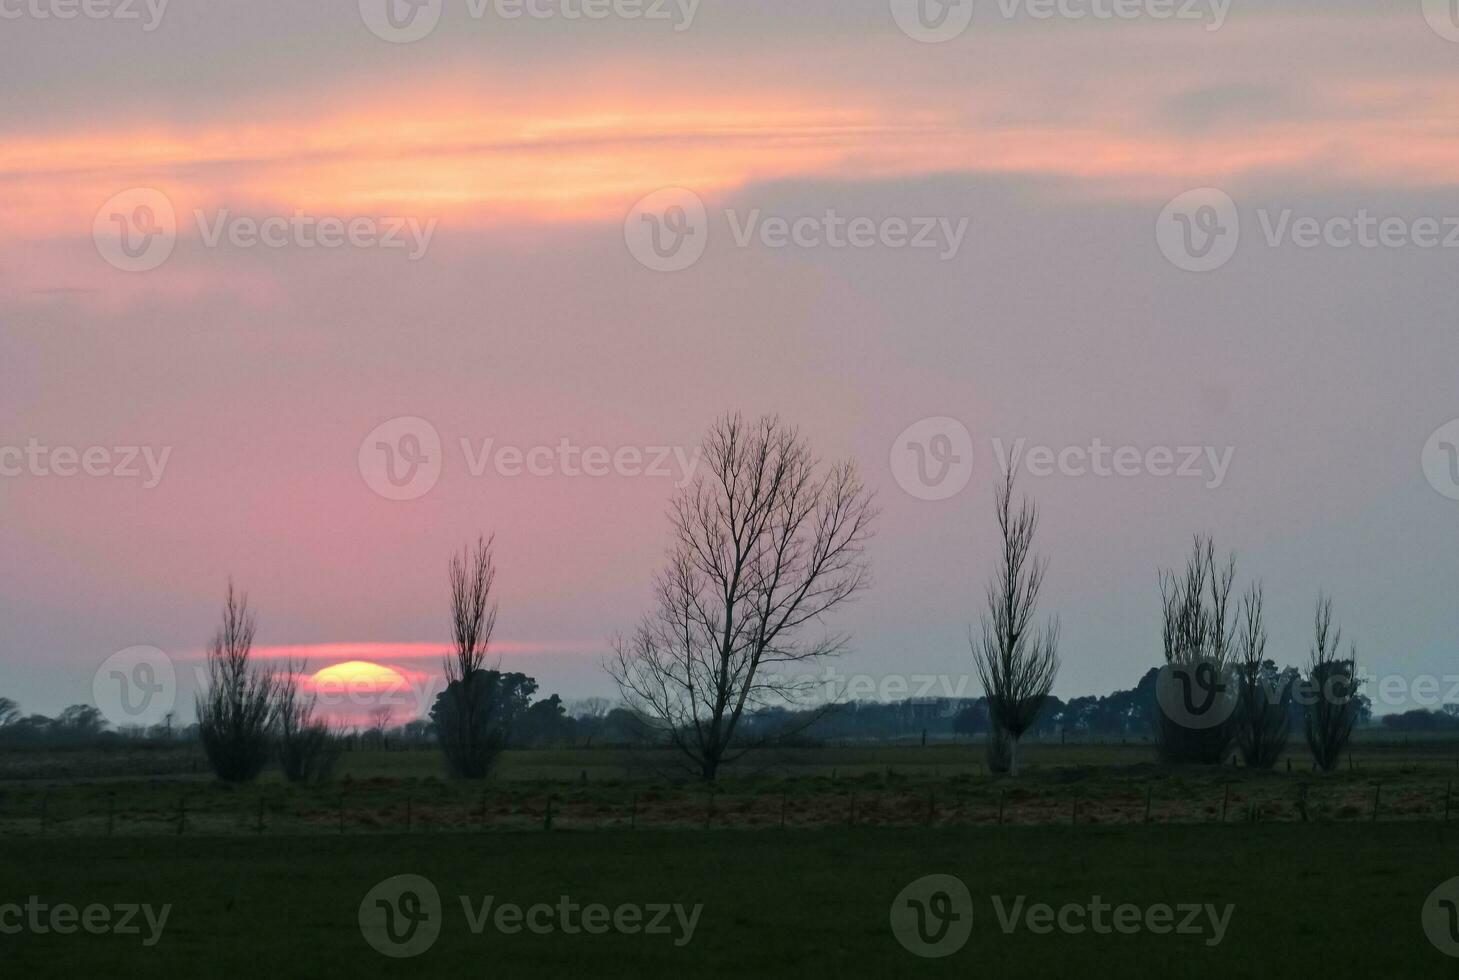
<point>765,545</point>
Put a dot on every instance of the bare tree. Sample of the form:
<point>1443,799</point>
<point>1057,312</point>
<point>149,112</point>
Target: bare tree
<point>1263,723</point>
<point>1330,691</point>
<point>1197,635</point>
<point>1016,662</point>
<point>308,748</point>
<point>590,713</point>
<point>765,544</point>
<point>469,725</point>
<point>235,712</point>
<point>9,712</point>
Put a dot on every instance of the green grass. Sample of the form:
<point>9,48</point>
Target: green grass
<point>390,792</point>
<point>1326,900</point>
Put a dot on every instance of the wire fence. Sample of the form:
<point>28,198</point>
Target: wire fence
<point>208,810</point>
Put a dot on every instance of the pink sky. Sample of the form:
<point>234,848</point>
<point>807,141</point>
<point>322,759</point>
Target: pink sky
<point>528,321</point>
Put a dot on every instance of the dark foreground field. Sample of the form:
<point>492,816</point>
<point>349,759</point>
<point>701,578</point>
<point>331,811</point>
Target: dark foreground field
<point>1329,900</point>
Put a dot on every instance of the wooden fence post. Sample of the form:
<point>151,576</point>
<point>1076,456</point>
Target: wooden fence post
<point>1149,792</point>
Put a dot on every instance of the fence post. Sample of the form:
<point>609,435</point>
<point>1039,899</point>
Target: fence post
<point>1302,801</point>
<point>1149,792</point>
<point>1225,802</point>
<point>1377,798</point>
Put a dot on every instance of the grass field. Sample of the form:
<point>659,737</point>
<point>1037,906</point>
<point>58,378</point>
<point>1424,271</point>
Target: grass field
<point>1325,900</point>
<point>605,789</point>
<point>796,862</point>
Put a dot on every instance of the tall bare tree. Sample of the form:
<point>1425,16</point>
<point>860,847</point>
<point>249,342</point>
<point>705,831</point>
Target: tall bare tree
<point>469,726</point>
<point>1197,634</point>
<point>1016,661</point>
<point>766,542</point>
<point>1330,691</point>
<point>308,748</point>
<point>235,711</point>
<point>1263,723</point>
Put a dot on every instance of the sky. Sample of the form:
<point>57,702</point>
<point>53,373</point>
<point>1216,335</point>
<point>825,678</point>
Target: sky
<point>293,295</point>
